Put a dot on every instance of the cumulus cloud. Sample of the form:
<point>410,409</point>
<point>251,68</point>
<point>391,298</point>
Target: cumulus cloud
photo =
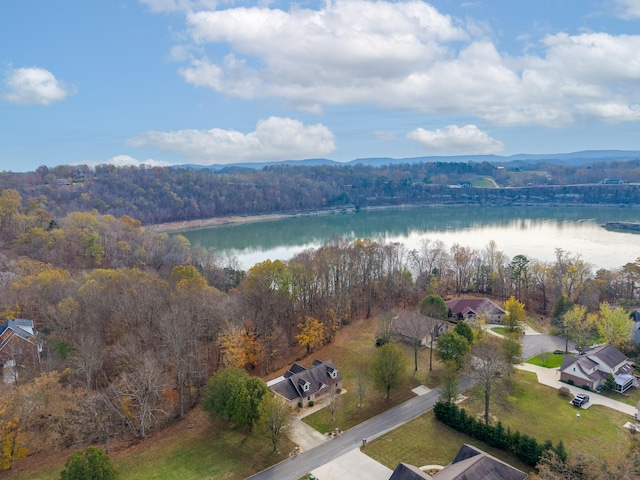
<point>33,86</point>
<point>453,139</point>
<point>273,139</point>
<point>126,161</point>
<point>408,55</point>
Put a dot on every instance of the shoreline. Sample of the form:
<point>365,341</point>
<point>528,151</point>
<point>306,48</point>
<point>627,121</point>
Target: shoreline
<point>170,227</point>
<point>240,219</point>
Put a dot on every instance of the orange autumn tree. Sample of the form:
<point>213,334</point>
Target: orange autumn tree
<point>241,348</point>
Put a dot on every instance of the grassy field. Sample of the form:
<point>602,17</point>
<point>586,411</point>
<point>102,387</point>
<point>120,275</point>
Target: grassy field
<point>485,182</point>
<point>529,407</point>
<point>547,360</point>
<point>205,451</point>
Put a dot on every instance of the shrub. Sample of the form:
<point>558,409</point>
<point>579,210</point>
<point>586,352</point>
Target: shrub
<point>299,404</point>
<point>312,403</point>
<point>570,382</point>
<point>586,387</point>
<point>92,463</point>
<point>564,392</point>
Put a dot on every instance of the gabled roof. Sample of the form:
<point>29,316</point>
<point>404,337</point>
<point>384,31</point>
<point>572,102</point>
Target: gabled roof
<point>472,463</point>
<point>408,472</point>
<point>607,354</point>
<point>295,368</point>
<point>592,358</point>
<point>19,326</point>
<point>318,377</point>
<point>475,305</point>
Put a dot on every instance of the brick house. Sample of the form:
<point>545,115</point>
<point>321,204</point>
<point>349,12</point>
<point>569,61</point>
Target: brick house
<point>18,346</point>
<point>593,366</point>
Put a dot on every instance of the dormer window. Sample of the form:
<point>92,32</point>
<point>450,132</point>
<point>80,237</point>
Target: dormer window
<point>304,384</point>
<point>333,373</point>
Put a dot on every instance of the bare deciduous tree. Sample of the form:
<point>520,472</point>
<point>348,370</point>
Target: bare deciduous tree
<point>487,365</point>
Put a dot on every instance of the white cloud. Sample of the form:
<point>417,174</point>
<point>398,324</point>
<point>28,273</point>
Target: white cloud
<point>273,139</point>
<point>33,86</point>
<point>408,55</point>
<point>628,9</point>
<point>164,6</point>
<point>125,161</point>
<point>456,140</point>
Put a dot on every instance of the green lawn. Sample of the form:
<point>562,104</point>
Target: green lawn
<point>484,183</point>
<point>360,350</point>
<point>547,360</point>
<point>426,441</point>
<point>529,407</point>
<point>500,330</point>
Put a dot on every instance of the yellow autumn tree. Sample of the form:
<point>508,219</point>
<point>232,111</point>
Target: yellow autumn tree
<point>233,354</point>
<point>311,333</point>
<point>515,314</point>
<point>12,444</point>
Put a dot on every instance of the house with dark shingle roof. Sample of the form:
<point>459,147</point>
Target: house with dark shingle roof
<point>470,463</point>
<point>18,344</point>
<point>405,471</point>
<point>591,368</point>
<point>469,308</point>
<point>301,385</point>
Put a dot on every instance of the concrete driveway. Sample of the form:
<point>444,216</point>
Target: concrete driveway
<point>535,343</point>
<point>353,465</point>
<point>551,378</point>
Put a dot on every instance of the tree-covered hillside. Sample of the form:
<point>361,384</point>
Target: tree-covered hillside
<point>156,195</point>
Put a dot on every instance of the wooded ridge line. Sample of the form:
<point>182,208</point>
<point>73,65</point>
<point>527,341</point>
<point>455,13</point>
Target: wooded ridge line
<point>157,195</point>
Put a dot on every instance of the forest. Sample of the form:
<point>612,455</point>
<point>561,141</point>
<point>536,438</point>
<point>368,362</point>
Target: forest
<point>131,323</point>
<point>156,195</point>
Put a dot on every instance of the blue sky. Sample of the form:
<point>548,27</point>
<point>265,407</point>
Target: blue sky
<point>207,81</point>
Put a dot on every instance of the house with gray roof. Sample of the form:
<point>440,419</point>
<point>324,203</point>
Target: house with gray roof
<point>591,368</point>
<point>18,345</point>
<point>470,463</point>
<point>301,385</point>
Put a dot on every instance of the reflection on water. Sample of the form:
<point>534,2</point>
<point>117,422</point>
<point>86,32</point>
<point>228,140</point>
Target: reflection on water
<point>533,231</point>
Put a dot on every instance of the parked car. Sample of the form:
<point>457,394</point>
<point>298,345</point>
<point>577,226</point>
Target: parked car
<point>580,399</point>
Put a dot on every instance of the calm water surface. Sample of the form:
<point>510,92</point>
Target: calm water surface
<point>532,231</point>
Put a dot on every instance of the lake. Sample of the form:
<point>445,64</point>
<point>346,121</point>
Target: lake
<point>532,231</point>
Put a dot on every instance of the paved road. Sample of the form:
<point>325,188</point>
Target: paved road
<point>302,464</point>
<point>533,345</point>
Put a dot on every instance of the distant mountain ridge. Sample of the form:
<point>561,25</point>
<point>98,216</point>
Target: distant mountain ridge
<point>573,158</point>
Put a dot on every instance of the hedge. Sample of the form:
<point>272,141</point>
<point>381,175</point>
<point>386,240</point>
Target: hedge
<point>526,448</point>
